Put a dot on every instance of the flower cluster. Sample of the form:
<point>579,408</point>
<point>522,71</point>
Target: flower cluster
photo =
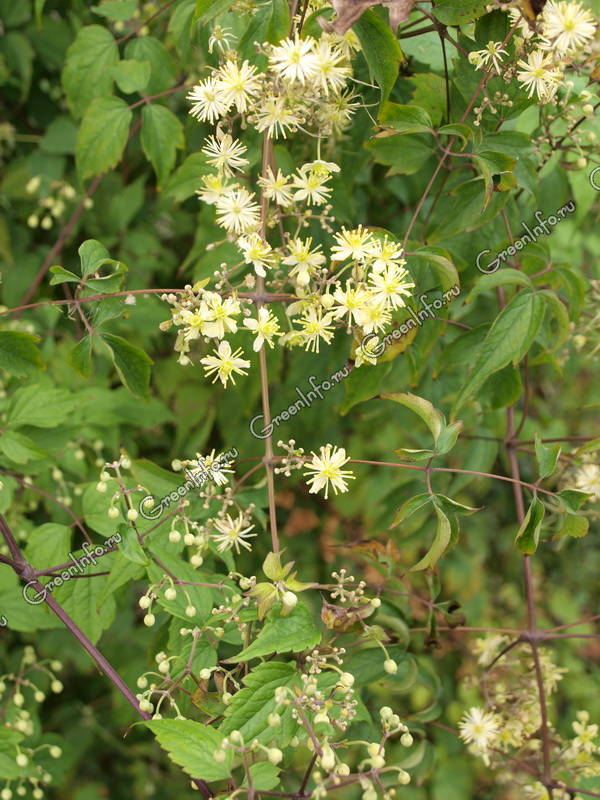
<point>16,689</point>
<point>562,38</point>
<point>510,720</point>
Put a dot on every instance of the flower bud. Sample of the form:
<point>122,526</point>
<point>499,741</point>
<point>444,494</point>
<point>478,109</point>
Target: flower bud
<point>174,536</point>
<point>390,666</point>
<point>144,602</point>
<point>149,620</point>
<point>171,593</point>
<point>22,760</point>
<point>406,740</point>
<point>274,755</point>
<point>347,679</point>
<point>113,512</point>
<point>289,600</point>
<point>55,752</point>
<point>327,758</point>
<point>132,514</point>
<point>274,720</point>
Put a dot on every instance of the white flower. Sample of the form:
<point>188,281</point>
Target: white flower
<point>214,187</point>
<point>225,153</point>
<point>310,185</point>
<point>275,116</point>
<point>219,38</point>
<point>386,253</point>
<point>214,466</point>
<point>330,71</point>
<point>276,187</point>
<point>303,260</point>
<point>265,328</point>
<point>488,648</point>
<point>217,314</point>
<point>207,100</point>
<point>390,287</point>
<point>232,534</point>
<point>539,75</point>
<point>566,26</point>
<point>478,727</point>
<point>257,252</point>
<point>225,363</point>
<point>491,54</point>
<point>239,84</point>
<point>356,244</point>
<point>326,469</point>
<point>587,479</point>
<point>237,211</point>
<point>351,302</point>
<point>294,59</point>
<point>316,326</point>
<point>375,316</point>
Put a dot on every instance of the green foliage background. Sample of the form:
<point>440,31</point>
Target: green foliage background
<point>82,107</point>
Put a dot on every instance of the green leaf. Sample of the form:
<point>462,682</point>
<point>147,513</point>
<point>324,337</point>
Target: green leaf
<point>39,10</point>
<point>440,542</point>
<point>291,634</point>
<point>404,119</point>
<point>264,775</point>
<point>249,709</point>
<point>116,10</point>
<point>92,254</point>
<point>362,384</point>
<point>572,499</point>
<point>19,448</point>
<point>102,136</point>
<point>575,526</point>
<point>547,456</point>
<point>62,275</point>
<point>49,544</point>
<point>131,75</point>
<point>457,129</point>
<point>556,328</point>
<point>207,10</point>
<point>60,137</point>
<point>163,69</point>
<point>381,50</point>
<point>184,182</point>
<point>191,745</point>
<point>80,357</point>
<point>457,12</point>
<point>88,67</point>
<point>433,418</point>
<point>162,134</point>
<point>404,156</point>
<point>441,261</point>
<point>200,597</point>
<point>410,507</point>
<point>133,364</point>
<point>270,23</point>
<point>39,406</point>
<point>508,340</point>
<point>528,535</point>
<point>18,354</point>
<point>130,546</point>
<point>503,277</point>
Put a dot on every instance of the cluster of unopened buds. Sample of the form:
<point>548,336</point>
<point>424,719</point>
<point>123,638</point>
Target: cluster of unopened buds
<point>19,718</point>
<point>53,204</point>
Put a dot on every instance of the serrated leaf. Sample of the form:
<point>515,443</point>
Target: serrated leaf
<point>131,75</point>
<point>20,448</point>
<point>191,745</point>
<point>132,364</point>
<point>88,67</point>
<point>528,535</point>
<point>18,353</point>
<point>381,50</point>
<point>457,12</point>
<point>39,406</point>
<point>80,357</point>
<point>404,118</point>
<point>162,135</point>
<point>116,10</point>
<point>291,634</point>
<point>184,182</point>
<point>249,709</point>
<point>102,136</point>
<point>264,775</point>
